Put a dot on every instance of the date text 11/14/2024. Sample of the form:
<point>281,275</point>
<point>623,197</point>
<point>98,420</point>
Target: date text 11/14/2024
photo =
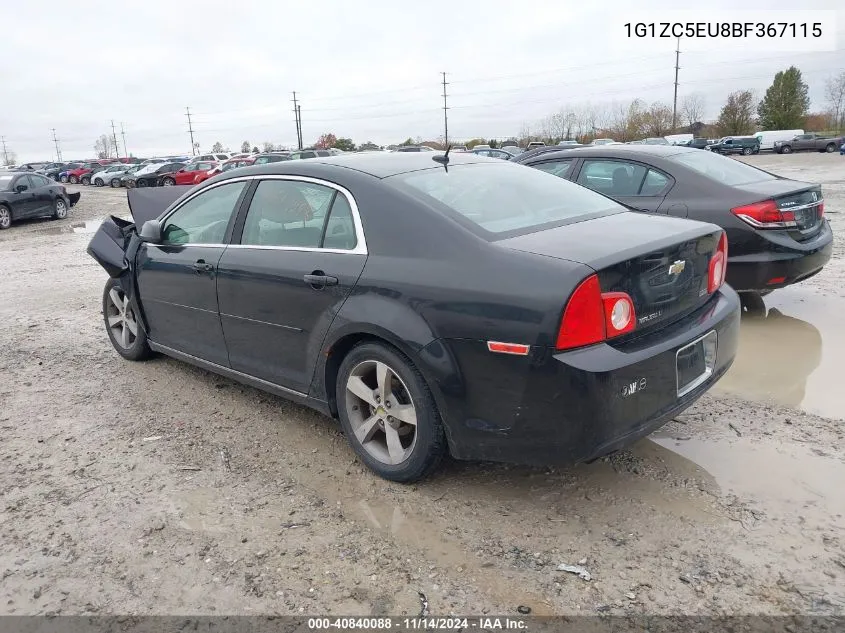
<point>421,623</point>
<point>724,29</point>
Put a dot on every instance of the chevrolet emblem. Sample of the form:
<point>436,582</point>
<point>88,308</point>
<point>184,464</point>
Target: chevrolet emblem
<point>677,268</point>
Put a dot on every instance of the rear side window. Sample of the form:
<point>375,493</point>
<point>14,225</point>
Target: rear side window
<point>340,229</point>
<point>287,213</point>
<point>503,199</point>
<point>611,177</point>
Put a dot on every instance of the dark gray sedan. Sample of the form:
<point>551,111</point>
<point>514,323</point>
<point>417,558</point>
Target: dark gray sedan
<point>777,233</point>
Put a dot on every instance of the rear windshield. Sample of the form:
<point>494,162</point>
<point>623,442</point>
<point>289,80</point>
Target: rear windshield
<point>506,199</point>
<point>721,168</point>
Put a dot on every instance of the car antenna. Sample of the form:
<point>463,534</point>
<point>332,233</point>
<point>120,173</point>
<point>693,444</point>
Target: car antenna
<point>443,159</point>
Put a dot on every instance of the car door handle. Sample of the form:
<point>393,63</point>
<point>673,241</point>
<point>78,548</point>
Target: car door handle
<point>319,279</point>
<point>202,267</point>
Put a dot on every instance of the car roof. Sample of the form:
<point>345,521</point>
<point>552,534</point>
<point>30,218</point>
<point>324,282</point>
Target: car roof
<point>377,164</point>
<point>613,151</point>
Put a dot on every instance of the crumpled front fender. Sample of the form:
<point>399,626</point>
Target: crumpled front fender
<point>110,244</point>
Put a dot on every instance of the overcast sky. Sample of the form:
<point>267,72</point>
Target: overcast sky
<point>366,69</point>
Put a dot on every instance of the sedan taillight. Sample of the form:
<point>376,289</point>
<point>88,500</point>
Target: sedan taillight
<point>718,265</point>
<point>765,215</point>
<point>592,316</point>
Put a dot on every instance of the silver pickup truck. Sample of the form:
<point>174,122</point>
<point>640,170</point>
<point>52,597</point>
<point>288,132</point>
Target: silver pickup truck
<point>808,142</point>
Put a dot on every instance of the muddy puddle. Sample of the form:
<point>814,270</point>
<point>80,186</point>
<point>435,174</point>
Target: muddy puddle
<point>783,478</point>
<point>792,354</point>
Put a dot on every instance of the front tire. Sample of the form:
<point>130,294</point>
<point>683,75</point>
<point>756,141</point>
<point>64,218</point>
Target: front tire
<point>123,326</point>
<point>141,183</point>
<point>168,182</point>
<point>388,413</point>
<point>830,148</point>
<point>786,149</point>
<point>59,209</point>
<point>73,180</point>
<point>747,151</point>
<point>85,180</point>
<point>63,179</point>
<point>99,182</point>
<point>5,217</point>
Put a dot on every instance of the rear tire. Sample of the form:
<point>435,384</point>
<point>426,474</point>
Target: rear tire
<point>123,326</point>
<point>388,413</point>
<point>85,180</point>
<point>141,183</point>
<point>73,180</point>
<point>5,217</point>
<point>99,182</point>
<point>747,151</point>
<point>167,182</point>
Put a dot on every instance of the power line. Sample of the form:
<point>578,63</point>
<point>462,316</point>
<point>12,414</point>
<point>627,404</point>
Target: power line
<point>445,114</point>
<point>58,151</point>
<point>190,130</point>
<point>675,99</point>
<point>114,138</point>
<point>123,134</point>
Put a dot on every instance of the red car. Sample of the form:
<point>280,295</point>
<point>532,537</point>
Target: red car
<point>186,175</point>
<point>76,175</point>
<point>221,167</point>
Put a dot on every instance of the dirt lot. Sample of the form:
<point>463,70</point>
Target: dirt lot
<point>158,488</point>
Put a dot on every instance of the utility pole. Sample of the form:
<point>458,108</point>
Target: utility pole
<point>445,115</point>
<point>299,117</point>
<point>58,151</point>
<point>123,134</point>
<point>190,130</point>
<point>675,100</point>
<point>5,154</point>
<point>296,114</point>
<point>114,138</point>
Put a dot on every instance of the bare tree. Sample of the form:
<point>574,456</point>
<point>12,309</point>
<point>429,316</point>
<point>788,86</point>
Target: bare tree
<point>737,115</point>
<point>657,121</point>
<point>692,108</point>
<point>834,92</point>
<point>217,147</point>
<point>267,146</point>
<point>103,146</point>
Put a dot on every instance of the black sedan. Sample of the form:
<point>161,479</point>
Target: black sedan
<point>777,233</point>
<point>29,195</point>
<point>152,178</point>
<point>431,303</point>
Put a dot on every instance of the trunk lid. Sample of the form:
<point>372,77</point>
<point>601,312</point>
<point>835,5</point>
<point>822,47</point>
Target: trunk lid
<point>661,262</point>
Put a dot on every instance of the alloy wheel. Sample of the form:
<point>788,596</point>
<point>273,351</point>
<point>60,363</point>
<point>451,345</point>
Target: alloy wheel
<point>382,415</point>
<point>5,218</point>
<point>61,209</point>
<point>121,319</point>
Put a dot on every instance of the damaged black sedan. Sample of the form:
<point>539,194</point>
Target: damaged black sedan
<point>432,304</point>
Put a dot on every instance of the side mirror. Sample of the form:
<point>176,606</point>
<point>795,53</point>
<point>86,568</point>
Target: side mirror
<point>20,188</point>
<point>151,232</point>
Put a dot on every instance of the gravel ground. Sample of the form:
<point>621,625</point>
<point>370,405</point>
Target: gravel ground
<point>158,488</point>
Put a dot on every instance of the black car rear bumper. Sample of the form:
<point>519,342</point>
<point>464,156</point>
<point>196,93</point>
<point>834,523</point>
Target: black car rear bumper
<point>564,408</point>
<point>780,266</point>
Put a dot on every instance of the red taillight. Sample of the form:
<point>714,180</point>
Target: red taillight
<point>718,265</point>
<point>591,317</point>
<point>765,215</point>
<point>821,208</point>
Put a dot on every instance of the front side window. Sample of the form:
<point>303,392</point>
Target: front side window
<point>556,167</point>
<point>204,218</point>
<point>287,213</point>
